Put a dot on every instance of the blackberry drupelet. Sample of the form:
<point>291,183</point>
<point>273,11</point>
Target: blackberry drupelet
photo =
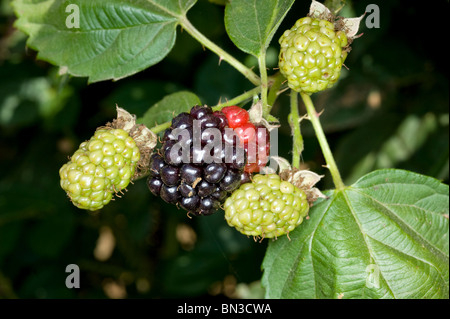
<point>254,138</point>
<point>199,163</point>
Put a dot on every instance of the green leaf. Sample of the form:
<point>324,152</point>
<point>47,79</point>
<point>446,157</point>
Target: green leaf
<point>252,24</point>
<point>102,39</point>
<point>386,236</point>
<point>168,107</point>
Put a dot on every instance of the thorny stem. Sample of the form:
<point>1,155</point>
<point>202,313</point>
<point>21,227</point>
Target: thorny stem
<point>331,164</point>
<point>297,138</point>
<point>238,99</point>
<point>248,73</point>
<point>161,127</point>
<point>264,84</point>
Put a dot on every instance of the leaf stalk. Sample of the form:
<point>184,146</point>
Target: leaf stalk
<point>223,55</point>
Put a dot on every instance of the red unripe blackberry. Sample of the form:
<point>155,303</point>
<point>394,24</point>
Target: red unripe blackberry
<point>258,150</point>
<point>236,116</point>
<point>254,138</point>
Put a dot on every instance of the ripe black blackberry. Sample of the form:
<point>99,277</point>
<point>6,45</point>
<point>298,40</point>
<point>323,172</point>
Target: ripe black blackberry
<point>199,163</point>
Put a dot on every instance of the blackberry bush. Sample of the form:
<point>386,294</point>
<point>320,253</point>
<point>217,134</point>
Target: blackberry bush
<point>384,236</point>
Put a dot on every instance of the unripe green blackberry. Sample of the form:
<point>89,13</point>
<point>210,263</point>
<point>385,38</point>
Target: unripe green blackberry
<point>268,207</point>
<point>101,167</point>
<point>312,53</point>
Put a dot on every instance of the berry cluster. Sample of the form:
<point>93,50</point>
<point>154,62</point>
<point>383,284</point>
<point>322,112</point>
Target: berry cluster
<point>254,138</point>
<point>192,169</point>
<point>102,166</point>
<point>267,207</point>
<point>312,54</point>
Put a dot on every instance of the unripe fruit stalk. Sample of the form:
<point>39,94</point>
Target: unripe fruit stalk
<point>105,165</point>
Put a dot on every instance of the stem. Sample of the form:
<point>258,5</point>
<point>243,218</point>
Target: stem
<point>329,159</point>
<point>297,138</point>
<point>264,84</point>
<point>161,127</point>
<point>248,73</point>
<point>238,99</point>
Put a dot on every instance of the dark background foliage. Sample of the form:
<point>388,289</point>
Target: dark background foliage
<point>390,109</point>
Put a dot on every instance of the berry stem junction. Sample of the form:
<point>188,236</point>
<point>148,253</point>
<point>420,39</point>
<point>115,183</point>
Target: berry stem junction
<point>236,100</point>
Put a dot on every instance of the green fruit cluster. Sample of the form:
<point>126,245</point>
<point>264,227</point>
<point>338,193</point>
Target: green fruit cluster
<point>101,167</point>
<point>312,54</point>
<point>268,207</point>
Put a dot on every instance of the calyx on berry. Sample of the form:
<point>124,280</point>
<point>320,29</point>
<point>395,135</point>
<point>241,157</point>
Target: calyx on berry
<point>303,179</point>
<point>350,26</point>
<point>106,164</point>
<point>144,138</point>
<point>313,51</point>
<point>267,207</point>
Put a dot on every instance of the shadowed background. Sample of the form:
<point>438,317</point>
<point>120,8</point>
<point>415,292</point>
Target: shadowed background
<point>389,109</point>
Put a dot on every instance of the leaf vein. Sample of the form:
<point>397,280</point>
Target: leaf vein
<point>404,223</point>
<point>369,248</point>
<point>409,255</point>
